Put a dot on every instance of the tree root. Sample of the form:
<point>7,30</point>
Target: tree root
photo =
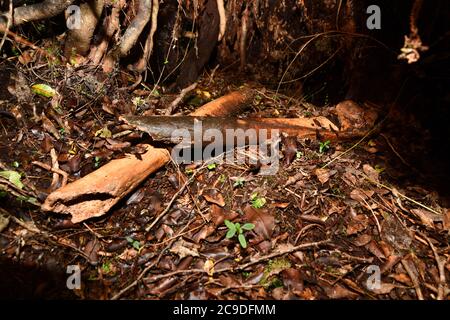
<point>39,11</point>
<point>78,40</point>
<point>136,27</point>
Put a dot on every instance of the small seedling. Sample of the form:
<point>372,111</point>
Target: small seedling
<point>238,183</point>
<point>134,243</point>
<point>324,146</point>
<point>97,161</point>
<point>257,202</point>
<point>211,166</point>
<point>222,178</point>
<point>237,229</point>
<point>298,154</point>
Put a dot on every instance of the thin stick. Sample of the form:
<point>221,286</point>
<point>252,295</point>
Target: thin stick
<point>244,266</point>
<point>169,205</point>
<point>441,267</point>
<point>180,97</point>
<point>413,279</point>
<point>401,195</point>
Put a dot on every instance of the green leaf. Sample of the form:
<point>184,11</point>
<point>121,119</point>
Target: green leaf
<point>230,234</point>
<point>229,224</point>
<point>324,146</point>
<point>211,166</point>
<point>13,177</point>
<point>44,90</point>
<point>239,183</point>
<point>248,226</point>
<point>103,133</point>
<point>136,245</point>
<point>258,203</point>
<point>222,178</point>
<point>238,227</point>
<point>298,154</point>
<point>242,241</point>
<point>129,239</point>
<point>253,195</point>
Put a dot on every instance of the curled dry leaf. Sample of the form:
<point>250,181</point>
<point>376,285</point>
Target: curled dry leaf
<point>423,215</point>
<point>184,249</point>
<point>361,195</point>
<point>213,196</point>
<point>324,174</point>
<point>209,267</point>
<point>357,224</point>
<point>362,240</point>
<point>371,173</point>
<point>263,221</point>
<point>339,292</point>
<point>384,288</point>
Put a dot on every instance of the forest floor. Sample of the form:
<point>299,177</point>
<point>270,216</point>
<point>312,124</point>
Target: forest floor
<point>331,218</point>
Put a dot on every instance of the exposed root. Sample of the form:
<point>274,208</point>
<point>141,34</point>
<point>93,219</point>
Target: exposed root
<point>8,24</point>
<point>136,27</point>
<point>223,19</point>
<point>78,40</point>
<point>141,65</point>
<point>39,11</point>
<point>110,27</point>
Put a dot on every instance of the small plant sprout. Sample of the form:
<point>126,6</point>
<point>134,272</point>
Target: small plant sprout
<point>211,166</point>
<point>134,243</point>
<point>238,183</point>
<point>324,146</point>
<point>298,154</point>
<point>257,202</point>
<point>238,230</point>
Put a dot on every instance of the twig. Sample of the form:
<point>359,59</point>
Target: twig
<point>8,24</point>
<point>414,279</point>
<point>169,205</point>
<point>401,195</point>
<point>244,266</point>
<point>441,267</point>
<point>45,234</point>
<point>180,97</point>
<point>54,170</point>
<point>355,145</point>
<point>395,151</point>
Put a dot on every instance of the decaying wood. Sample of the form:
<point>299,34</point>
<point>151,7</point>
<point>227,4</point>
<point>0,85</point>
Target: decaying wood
<point>167,128</point>
<point>354,122</point>
<point>227,105</point>
<point>94,194</point>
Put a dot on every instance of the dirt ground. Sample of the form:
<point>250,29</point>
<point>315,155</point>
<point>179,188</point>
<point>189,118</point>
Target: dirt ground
<point>328,220</point>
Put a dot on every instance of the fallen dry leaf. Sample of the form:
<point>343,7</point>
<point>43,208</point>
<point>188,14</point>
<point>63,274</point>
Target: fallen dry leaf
<point>339,292</point>
<point>324,174</point>
<point>424,217</point>
<point>361,195</point>
<point>384,288</point>
<point>362,240</point>
<point>184,249</point>
<point>214,196</point>
<point>446,222</point>
<point>263,221</point>
<point>371,173</point>
<point>357,224</point>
